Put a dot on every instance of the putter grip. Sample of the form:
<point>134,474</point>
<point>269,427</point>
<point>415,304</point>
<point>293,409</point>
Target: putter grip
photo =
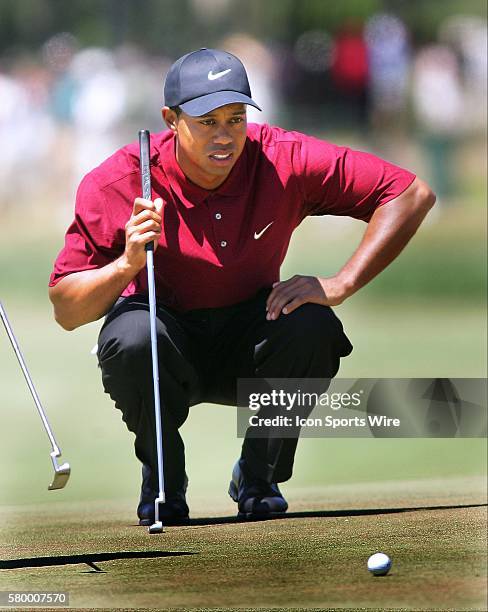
<point>144,140</point>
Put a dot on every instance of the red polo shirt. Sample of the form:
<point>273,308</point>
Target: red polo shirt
<point>220,247</point>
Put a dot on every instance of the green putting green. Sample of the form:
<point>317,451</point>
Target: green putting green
<point>439,554</point>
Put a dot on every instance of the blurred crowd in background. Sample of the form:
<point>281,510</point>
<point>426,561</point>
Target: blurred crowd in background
<point>66,105</point>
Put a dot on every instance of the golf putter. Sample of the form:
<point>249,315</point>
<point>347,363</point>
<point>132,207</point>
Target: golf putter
<point>61,472</point>
<point>157,526</point>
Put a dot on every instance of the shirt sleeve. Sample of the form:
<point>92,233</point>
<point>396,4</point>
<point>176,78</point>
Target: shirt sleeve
<point>341,181</point>
<point>92,240</point>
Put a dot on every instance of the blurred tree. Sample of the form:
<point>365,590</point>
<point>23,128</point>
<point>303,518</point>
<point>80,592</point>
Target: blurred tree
<point>173,28</point>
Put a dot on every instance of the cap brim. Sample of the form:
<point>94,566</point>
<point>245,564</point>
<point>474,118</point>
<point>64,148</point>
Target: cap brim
<point>205,104</point>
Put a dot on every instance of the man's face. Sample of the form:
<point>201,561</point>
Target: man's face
<point>207,147</point>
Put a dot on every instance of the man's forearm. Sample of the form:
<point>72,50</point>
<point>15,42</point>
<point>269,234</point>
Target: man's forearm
<point>83,297</point>
<point>388,232</point>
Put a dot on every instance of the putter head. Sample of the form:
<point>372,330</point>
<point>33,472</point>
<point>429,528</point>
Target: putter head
<point>61,473</point>
<point>157,526</point>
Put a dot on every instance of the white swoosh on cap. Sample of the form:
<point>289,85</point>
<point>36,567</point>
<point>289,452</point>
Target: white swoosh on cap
<point>257,235</point>
<point>217,75</point>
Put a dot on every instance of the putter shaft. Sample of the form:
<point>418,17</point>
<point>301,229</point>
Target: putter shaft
<point>144,140</point>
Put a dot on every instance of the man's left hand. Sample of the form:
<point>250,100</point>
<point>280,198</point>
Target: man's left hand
<point>286,296</point>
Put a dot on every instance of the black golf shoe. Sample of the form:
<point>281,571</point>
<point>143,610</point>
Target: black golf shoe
<point>255,498</point>
<point>173,512</point>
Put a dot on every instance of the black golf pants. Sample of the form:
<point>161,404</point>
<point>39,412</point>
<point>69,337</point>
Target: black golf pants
<point>201,354</point>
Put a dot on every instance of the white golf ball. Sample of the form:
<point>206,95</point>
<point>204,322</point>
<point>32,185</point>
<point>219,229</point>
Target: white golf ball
<point>379,564</point>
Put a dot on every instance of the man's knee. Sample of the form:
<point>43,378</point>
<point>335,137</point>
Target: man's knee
<point>308,342</point>
<point>126,340</point>
<point>312,326</point>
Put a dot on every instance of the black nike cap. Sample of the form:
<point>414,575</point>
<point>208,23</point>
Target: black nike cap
<point>203,80</point>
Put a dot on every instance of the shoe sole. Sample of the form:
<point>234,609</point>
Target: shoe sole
<point>260,516</point>
<point>174,522</point>
<point>252,516</point>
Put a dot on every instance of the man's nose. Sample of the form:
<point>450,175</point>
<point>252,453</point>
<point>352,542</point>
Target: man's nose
<point>222,136</point>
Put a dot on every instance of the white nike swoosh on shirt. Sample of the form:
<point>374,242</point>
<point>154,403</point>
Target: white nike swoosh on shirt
<point>217,75</point>
<point>257,235</point>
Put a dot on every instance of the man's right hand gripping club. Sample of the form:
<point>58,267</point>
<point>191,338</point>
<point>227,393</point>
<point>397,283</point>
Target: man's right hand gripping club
<point>143,226</point>
<point>86,296</point>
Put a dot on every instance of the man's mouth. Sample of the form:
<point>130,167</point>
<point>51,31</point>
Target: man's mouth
<point>221,157</point>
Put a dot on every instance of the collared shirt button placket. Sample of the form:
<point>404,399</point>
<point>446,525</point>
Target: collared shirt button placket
<point>218,216</point>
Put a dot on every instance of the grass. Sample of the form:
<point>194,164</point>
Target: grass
<point>438,559</point>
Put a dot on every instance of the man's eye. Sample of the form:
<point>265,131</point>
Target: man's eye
<point>237,120</point>
<point>207,122</point>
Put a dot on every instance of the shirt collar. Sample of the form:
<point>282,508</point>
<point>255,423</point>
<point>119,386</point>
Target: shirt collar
<point>164,155</point>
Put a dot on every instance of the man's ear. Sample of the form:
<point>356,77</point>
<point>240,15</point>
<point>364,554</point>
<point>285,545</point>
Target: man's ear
<point>169,117</point>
